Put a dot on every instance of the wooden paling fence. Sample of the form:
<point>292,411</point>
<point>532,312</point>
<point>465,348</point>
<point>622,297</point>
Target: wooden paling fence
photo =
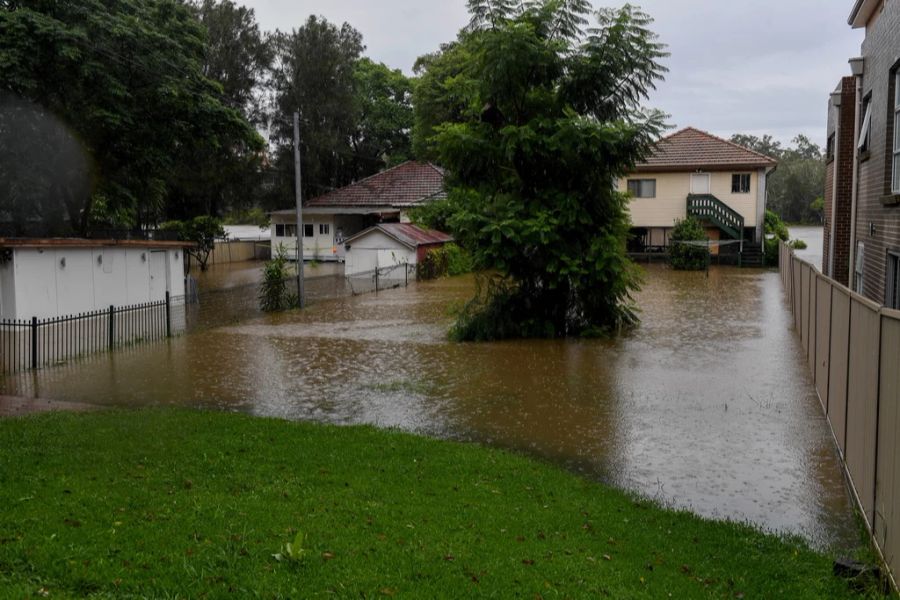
<point>237,251</point>
<point>852,347</point>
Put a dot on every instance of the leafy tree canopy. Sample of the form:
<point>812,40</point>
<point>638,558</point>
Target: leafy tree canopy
<point>121,84</point>
<point>355,114</point>
<point>541,116</point>
<point>799,179</point>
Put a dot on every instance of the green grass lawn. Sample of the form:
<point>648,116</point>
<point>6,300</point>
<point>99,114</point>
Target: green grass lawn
<point>163,503</point>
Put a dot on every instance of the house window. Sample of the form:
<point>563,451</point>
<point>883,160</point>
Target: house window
<point>892,286</point>
<point>865,131</point>
<point>642,188</point>
<point>324,228</point>
<point>829,148</point>
<point>895,181</point>
<point>858,267</point>
<point>290,231</point>
<point>740,183</point>
<point>279,230</point>
<point>308,230</point>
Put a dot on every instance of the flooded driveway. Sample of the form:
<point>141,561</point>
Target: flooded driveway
<point>707,405</point>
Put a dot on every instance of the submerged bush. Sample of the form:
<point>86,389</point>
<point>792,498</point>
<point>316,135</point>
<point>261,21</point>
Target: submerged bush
<point>684,255</point>
<point>273,292</point>
<point>448,260</point>
<point>775,230</point>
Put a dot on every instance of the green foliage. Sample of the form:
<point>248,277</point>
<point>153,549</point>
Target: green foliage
<point>166,504</point>
<point>775,230</point>
<point>203,231</point>
<point>433,215</point>
<point>538,122</point>
<point>384,117</point>
<point>273,292</point>
<point>685,256</point>
<point>293,551</point>
<point>249,216</point>
<point>448,260</point>
<point>798,245</point>
<point>799,180</point>
<point>117,104</point>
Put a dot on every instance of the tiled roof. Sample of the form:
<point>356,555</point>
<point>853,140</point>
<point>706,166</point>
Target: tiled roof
<point>407,234</point>
<point>407,184</point>
<point>694,149</point>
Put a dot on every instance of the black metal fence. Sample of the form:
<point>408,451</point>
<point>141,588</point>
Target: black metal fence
<point>37,343</point>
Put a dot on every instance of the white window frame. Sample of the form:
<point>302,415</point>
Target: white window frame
<point>892,283</point>
<point>895,179</point>
<point>279,227</point>
<point>309,227</point>
<point>866,130</point>
<point>697,176</point>
<point>740,181</point>
<point>324,228</point>
<point>858,267</point>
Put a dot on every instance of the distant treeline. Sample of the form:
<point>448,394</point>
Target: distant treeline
<point>797,186</point>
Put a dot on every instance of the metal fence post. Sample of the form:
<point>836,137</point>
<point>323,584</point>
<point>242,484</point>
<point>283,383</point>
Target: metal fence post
<point>112,326</point>
<point>34,339</point>
<point>168,316</point>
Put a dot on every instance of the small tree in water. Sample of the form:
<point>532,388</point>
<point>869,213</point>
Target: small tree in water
<point>688,245</point>
<point>273,293</point>
<point>546,118</point>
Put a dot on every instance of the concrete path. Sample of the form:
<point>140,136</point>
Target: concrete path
<point>14,406</point>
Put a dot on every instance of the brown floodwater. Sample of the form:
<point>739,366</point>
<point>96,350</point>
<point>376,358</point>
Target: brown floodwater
<point>706,406</point>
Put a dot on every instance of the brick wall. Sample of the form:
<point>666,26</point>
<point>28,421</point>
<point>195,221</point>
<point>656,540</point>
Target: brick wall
<point>881,50</point>
<point>839,173</point>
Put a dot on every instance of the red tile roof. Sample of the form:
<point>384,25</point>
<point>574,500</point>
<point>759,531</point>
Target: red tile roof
<point>407,234</point>
<point>407,184</point>
<point>694,149</point>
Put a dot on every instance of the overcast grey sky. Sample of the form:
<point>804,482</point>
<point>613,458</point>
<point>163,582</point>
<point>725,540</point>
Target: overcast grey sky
<point>760,66</point>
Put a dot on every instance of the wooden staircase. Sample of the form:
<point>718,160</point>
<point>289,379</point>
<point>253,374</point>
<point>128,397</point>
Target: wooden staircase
<point>707,207</point>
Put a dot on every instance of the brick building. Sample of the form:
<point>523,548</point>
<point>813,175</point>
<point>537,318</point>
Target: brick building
<point>862,196</point>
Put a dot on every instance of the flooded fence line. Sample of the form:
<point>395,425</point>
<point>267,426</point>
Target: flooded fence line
<point>852,346</point>
<point>382,278</point>
<point>234,251</point>
<point>30,344</point>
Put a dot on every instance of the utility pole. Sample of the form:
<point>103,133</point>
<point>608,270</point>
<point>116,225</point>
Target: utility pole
<point>298,195</point>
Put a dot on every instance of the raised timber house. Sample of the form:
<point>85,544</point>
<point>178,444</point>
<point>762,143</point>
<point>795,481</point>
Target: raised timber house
<point>692,172</point>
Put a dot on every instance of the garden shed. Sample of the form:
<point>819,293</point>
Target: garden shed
<point>388,246</point>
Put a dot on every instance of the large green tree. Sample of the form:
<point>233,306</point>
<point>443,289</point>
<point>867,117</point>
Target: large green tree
<point>217,178</point>
<point>383,117</point>
<point>549,117</point>
<point>121,82</point>
<point>355,114</point>
<point>799,180</point>
<point>315,71</point>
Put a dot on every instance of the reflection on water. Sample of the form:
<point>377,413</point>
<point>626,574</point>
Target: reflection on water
<point>707,405</point>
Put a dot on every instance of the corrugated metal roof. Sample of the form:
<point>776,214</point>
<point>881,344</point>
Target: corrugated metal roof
<point>407,234</point>
<point>694,149</point>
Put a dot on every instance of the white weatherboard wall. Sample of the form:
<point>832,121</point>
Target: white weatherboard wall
<point>51,282</point>
<point>672,190</point>
<point>376,250</point>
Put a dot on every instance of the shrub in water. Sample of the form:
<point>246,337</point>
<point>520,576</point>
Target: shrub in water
<point>683,255</point>
<point>273,294</point>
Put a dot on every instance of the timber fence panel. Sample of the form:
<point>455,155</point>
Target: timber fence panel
<point>886,527</point>
<point>796,294</point>
<point>862,399</point>
<point>813,323</point>
<point>840,354</point>
<point>823,337</point>
<point>804,307</point>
